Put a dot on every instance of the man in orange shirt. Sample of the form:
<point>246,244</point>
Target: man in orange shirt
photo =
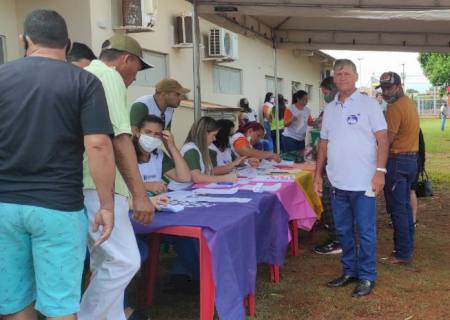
<point>403,134</point>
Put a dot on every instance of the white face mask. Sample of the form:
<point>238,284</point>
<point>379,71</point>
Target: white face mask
<point>272,100</point>
<point>149,143</point>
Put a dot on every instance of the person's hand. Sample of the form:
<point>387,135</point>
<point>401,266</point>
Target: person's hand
<point>238,162</point>
<point>105,219</point>
<point>253,162</point>
<point>160,200</point>
<point>155,187</point>
<point>378,182</point>
<point>143,209</point>
<point>318,184</point>
<point>168,139</point>
<point>275,157</point>
<point>231,177</point>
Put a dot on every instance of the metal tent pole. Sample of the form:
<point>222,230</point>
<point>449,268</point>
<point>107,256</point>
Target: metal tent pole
<point>196,62</point>
<point>275,75</point>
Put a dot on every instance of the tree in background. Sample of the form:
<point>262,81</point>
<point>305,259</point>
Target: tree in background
<point>436,67</point>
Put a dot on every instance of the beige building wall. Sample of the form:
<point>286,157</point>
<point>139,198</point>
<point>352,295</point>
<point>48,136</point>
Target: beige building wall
<point>76,14</point>
<point>255,61</point>
<point>8,28</point>
<point>93,21</point>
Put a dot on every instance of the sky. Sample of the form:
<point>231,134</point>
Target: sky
<point>377,62</point>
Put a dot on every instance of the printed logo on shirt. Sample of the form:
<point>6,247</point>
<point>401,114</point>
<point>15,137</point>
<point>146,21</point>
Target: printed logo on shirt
<point>352,119</point>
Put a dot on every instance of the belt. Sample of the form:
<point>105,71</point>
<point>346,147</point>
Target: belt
<point>403,154</point>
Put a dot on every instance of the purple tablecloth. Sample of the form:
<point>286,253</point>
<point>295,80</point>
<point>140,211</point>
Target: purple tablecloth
<point>239,236</point>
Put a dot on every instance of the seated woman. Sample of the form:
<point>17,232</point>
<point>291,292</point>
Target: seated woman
<point>154,163</point>
<point>222,157</point>
<point>242,143</point>
<point>196,153</point>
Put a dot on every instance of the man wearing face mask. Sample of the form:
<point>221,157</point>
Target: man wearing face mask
<point>403,133</point>
<point>167,97</point>
<point>115,262</point>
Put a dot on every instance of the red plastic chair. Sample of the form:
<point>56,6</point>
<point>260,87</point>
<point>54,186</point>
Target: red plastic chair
<point>207,288</point>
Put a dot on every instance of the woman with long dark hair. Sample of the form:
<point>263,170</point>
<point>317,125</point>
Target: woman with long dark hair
<point>196,153</point>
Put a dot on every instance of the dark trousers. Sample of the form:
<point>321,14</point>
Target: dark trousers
<point>291,144</point>
<point>355,218</point>
<point>274,140</point>
<point>328,211</point>
<point>401,172</point>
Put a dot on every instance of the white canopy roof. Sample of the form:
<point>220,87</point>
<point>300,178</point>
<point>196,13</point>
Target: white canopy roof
<point>385,25</point>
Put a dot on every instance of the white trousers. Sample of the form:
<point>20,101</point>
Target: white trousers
<point>113,263</point>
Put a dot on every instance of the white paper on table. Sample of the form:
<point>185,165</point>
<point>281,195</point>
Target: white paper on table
<point>263,178</point>
<point>260,187</point>
<point>180,194</point>
<point>224,200</point>
<point>219,185</point>
<point>284,163</point>
<point>215,191</point>
<point>276,170</point>
<point>246,172</point>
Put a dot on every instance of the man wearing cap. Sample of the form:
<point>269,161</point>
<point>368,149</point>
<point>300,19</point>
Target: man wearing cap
<point>115,262</point>
<point>167,97</point>
<point>403,133</point>
<point>353,144</point>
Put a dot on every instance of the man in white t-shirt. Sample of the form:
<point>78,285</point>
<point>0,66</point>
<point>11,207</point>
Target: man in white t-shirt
<point>353,142</point>
<point>167,97</point>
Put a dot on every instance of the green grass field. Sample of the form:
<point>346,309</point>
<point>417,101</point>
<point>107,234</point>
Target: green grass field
<point>437,144</point>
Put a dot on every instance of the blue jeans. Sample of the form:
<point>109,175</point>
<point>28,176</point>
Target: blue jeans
<point>443,119</point>
<point>401,173</point>
<point>264,145</point>
<point>291,144</point>
<point>355,219</point>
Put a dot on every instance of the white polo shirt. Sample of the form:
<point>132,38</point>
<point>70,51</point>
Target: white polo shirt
<point>350,130</point>
<point>149,101</point>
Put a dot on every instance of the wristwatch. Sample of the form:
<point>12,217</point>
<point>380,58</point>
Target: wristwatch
<point>382,170</point>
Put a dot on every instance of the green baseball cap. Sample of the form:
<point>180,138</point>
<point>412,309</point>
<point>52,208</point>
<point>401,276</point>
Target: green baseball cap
<point>126,43</point>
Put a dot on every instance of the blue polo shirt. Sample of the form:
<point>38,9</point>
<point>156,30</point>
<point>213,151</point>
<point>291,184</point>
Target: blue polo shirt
<point>350,130</point>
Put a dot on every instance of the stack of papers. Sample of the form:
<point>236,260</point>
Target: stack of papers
<point>215,191</point>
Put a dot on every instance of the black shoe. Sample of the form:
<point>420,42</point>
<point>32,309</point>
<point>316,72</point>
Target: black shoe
<point>331,247</point>
<point>363,288</point>
<point>341,281</point>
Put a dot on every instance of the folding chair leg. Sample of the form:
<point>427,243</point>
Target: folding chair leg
<point>150,268</point>
<point>207,288</point>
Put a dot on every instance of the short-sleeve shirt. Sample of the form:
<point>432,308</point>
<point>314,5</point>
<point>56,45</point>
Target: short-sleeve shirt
<point>404,124</point>
<point>116,97</point>
<point>237,141</point>
<point>146,105</point>
<point>218,157</point>
<point>47,106</point>
<point>299,122</point>
<point>350,129</point>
